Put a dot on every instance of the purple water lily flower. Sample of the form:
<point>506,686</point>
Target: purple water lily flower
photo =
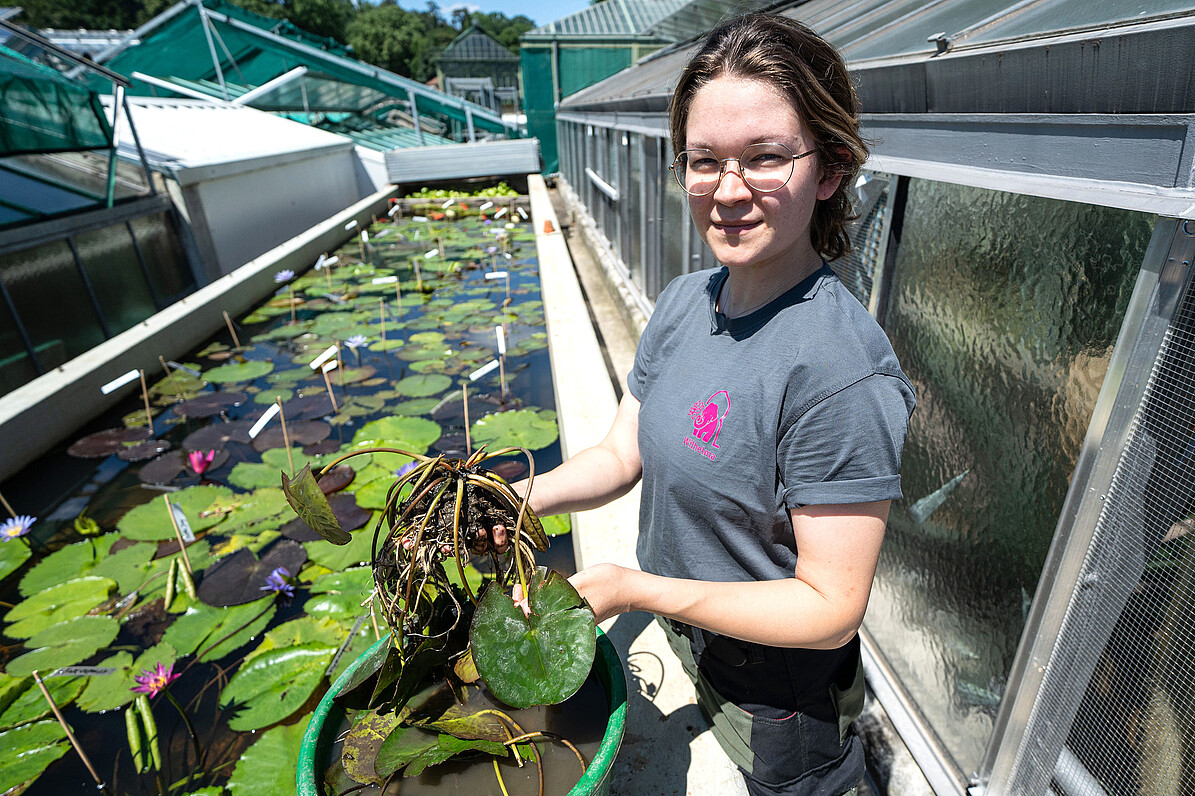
<point>154,681</point>
<point>357,341</point>
<point>491,249</point>
<point>406,468</point>
<point>284,275</point>
<point>279,582</point>
<point>16,527</point>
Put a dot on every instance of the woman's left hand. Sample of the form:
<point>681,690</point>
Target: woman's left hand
<point>606,588</point>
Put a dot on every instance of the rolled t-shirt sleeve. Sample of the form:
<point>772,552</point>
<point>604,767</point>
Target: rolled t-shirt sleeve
<point>846,448</point>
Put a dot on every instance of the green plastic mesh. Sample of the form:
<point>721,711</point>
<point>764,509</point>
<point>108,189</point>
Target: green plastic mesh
<point>43,111</point>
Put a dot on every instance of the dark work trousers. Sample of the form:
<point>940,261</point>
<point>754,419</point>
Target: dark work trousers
<point>783,716</point>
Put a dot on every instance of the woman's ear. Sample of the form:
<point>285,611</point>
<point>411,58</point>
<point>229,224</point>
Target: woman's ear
<point>832,174</point>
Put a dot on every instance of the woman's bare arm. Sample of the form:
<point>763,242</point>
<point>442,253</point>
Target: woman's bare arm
<point>821,607</point>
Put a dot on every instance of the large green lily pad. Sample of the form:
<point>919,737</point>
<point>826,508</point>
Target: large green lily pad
<point>151,521</point>
<point>359,550</point>
<point>202,626</point>
<point>238,371</point>
<point>538,659</point>
<point>56,604</point>
<point>275,684</point>
<point>30,704</point>
<point>12,555</point>
<point>267,768</point>
<point>74,560</point>
<point>423,385</point>
<point>64,644</point>
<point>302,630</point>
<point>519,428</point>
<point>28,751</point>
<point>415,434</point>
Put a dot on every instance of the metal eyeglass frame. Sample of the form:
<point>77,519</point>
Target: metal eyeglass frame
<point>722,168</point>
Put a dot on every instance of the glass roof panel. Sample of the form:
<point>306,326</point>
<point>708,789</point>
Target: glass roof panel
<point>909,32</point>
<point>1050,16</point>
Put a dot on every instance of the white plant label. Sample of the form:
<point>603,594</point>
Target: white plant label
<point>184,527</point>
<point>523,213</point>
<point>331,261</point>
<point>82,671</point>
<point>261,421</point>
<point>385,280</point>
<point>319,261</point>
<point>331,366</point>
<point>484,369</point>
<point>119,381</point>
<point>498,333</point>
<point>329,352</point>
<point>183,368</point>
<point>486,206</point>
<point>496,275</point>
<point>350,225</point>
<point>364,236</point>
<point>383,233</point>
<point>419,218</point>
<point>447,204</point>
<point>392,211</point>
<point>500,213</point>
<point>431,254</point>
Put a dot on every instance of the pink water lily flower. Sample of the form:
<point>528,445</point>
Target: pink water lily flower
<point>154,681</point>
<point>200,461</point>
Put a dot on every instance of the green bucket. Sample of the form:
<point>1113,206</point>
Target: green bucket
<point>596,781</point>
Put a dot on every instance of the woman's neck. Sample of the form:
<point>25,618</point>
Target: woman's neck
<point>748,289</point>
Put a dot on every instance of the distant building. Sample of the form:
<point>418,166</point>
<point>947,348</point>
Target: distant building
<point>475,67</point>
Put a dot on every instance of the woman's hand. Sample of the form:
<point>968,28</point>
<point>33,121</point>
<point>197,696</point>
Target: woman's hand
<point>606,587</point>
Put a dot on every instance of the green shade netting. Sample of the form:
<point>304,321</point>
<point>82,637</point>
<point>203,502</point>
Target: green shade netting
<point>41,110</point>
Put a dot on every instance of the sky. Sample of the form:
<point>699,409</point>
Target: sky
<point>542,11</point>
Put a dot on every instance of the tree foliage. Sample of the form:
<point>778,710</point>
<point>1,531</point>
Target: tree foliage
<point>386,35</point>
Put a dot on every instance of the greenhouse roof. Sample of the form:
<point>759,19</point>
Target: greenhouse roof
<point>972,56</point>
<point>612,18</point>
<point>178,46</point>
<point>474,44</point>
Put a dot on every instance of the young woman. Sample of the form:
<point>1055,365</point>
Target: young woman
<point>766,415</point>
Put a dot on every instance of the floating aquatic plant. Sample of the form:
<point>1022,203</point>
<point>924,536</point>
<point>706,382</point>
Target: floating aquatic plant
<point>16,527</point>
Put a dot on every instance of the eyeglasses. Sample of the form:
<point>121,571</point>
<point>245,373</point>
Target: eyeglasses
<point>765,168</point>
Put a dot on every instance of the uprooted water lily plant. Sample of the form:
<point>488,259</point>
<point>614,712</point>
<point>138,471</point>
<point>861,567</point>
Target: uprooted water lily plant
<point>446,637</point>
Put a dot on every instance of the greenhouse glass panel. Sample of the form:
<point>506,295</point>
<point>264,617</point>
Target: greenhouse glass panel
<point>1060,15</point>
<point>52,301</point>
<point>16,367</point>
<point>636,212</point>
<point>164,257</point>
<point>581,67</point>
<point>909,35</point>
<point>116,276</point>
<point>676,216</point>
<point>1004,310</point>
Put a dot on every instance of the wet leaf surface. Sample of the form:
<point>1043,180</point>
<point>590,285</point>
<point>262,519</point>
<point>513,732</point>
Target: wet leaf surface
<point>28,751</point>
<point>209,404</point>
<point>143,451</point>
<point>64,644</point>
<point>56,604</point>
<point>106,442</point>
<point>311,505</point>
<point>238,371</point>
<point>213,633</point>
<point>267,768</point>
<point>362,743</point>
<point>305,432</point>
<point>539,659</point>
<point>217,436</point>
<point>336,479</point>
<point>238,578</point>
<point>273,685</point>
<point>412,750</point>
<point>151,521</point>
<point>524,428</point>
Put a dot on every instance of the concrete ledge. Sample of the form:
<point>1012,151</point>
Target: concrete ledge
<point>668,748</point>
<point>46,411</point>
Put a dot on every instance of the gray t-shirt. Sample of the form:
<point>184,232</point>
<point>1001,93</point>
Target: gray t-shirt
<point>802,402</point>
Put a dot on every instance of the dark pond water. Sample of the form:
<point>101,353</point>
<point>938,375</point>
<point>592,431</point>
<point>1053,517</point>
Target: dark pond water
<point>403,359</point>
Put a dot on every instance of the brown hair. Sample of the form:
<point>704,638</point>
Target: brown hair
<point>811,73</point>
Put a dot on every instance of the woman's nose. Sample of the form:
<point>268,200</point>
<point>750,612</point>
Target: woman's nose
<point>732,188</point>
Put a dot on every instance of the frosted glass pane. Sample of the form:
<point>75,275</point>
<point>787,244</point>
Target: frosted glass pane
<point>116,277</point>
<point>1004,311</point>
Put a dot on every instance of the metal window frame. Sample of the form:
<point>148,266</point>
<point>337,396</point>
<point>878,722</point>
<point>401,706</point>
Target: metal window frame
<point>1164,273</point>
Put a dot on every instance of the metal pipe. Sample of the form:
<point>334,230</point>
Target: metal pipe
<point>207,32</point>
<point>415,116</point>
<point>95,302</point>
<point>267,87</point>
<point>117,105</point>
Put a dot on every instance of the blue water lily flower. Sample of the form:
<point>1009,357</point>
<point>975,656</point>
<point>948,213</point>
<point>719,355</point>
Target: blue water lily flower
<point>280,582</point>
<point>16,527</point>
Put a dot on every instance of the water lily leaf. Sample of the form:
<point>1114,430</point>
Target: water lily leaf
<point>311,505</point>
<point>556,524</point>
<point>28,751</point>
<point>303,630</point>
<point>202,626</point>
<point>362,743</point>
<point>412,750</point>
<point>375,658</point>
<point>113,691</point>
<point>65,644</point>
<point>467,722</point>
<point>76,559</point>
<point>238,371</point>
<point>267,768</point>
<point>311,407</point>
<point>522,428</point>
<point>540,659</point>
<point>255,475</point>
<point>415,434</point>
<point>359,550</point>
<point>210,404</point>
<point>105,443</point>
<point>239,578</point>
<point>271,396</point>
<point>151,521</point>
<point>423,385</point>
<point>217,436</point>
<point>56,604</point>
<point>126,566</point>
<point>415,407</point>
<point>273,685</point>
<point>12,556</point>
<point>30,704</point>
<point>336,479</point>
<point>143,451</point>
<point>303,432</point>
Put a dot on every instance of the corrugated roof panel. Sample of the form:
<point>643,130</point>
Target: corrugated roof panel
<point>611,18</point>
<point>476,45</point>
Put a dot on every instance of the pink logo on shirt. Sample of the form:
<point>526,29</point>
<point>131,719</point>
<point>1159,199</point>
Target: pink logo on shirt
<point>707,417</point>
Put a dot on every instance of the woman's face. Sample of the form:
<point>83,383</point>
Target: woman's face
<point>743,227</point>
